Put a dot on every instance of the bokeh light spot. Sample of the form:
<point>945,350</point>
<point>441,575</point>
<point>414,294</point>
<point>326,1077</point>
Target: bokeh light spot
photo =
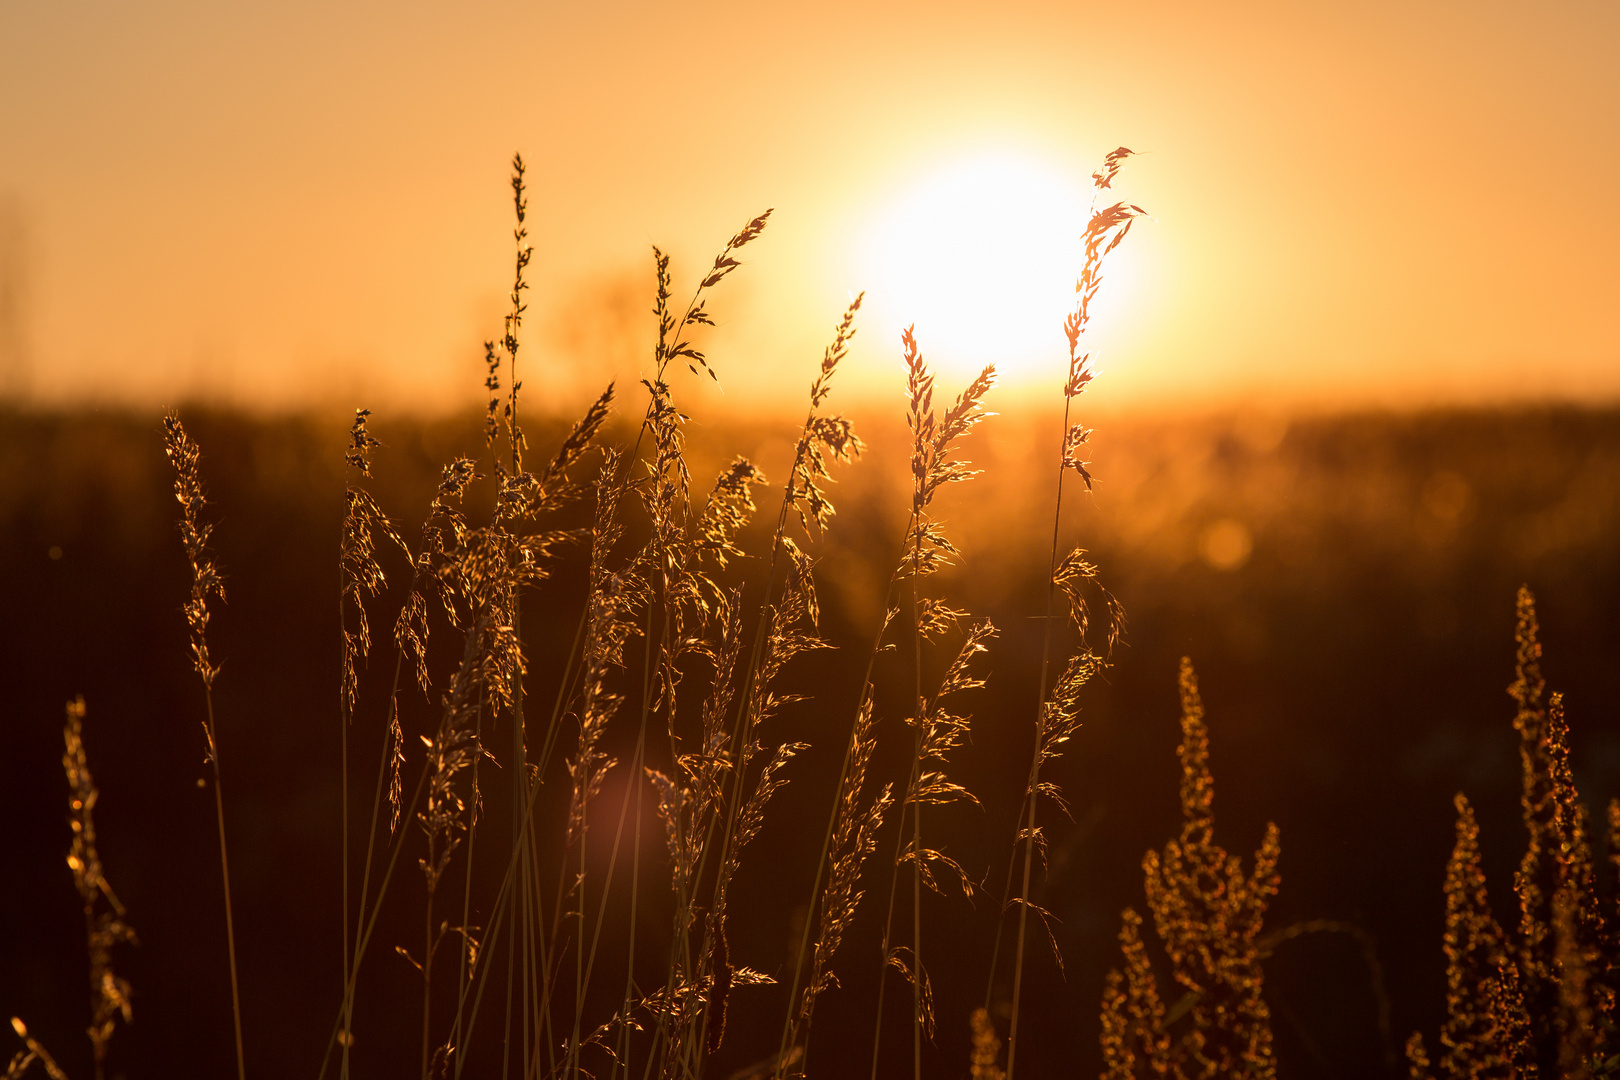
<point>1226,544</point>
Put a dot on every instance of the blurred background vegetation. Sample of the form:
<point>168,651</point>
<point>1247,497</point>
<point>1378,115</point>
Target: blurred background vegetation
<point>1344,582</point>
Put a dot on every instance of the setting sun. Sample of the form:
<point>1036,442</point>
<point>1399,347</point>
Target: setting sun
<point>981,256</point>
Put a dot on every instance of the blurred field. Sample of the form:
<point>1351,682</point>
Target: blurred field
<point>1344,583</point>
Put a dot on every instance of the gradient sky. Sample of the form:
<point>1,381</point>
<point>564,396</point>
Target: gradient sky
<point>300,203</point>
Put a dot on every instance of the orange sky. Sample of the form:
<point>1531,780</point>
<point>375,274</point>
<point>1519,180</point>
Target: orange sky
<point>305,203</point>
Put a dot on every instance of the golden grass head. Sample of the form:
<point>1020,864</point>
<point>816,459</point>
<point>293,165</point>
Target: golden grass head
<point>672,344</point>
<point>822,436</point>
<point>729,508</point>
<point>835,353</point>
<point>1528,685</point>
<point>934,464</point>
<point>1077,576</point>
<point>104,927</point>
<point>1209,913</point>
<point>195,531</point>
<point>1197,784</point>
<point>1475,952</point>
<point>362,574</point>
<point>361,442</point>
<point>1105,231</point>
<point>1134,1041</point>
<point>854,839</point>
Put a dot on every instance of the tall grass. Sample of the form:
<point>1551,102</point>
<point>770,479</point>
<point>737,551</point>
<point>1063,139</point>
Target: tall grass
<point>665,720</point>
<point>206,583</point>
<point>1208,914</point>
<point>1539,1000</point>
<point>1057,716</point>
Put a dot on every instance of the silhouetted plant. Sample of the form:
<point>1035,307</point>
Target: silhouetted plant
<point>1208,914</point>
<point>1538,1002</point>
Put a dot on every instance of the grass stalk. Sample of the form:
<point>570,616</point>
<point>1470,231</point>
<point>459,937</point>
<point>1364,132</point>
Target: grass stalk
<point>225,879</point>
<point>360,575</point>
<point>351,963</point>
<point>343,796</point>
<point>924,550</point>
<point>1105,230</point>
<point>185,456</point>
<point>921,714</point>
<point>1026,822</point>
<point>364,930</point>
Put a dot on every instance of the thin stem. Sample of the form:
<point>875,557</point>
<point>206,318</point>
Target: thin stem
<point>466,911</point>
<point>344,719</point>
<point>888,926</point>
<point>502,912</point>
<point>511,969</point>
<point>364,939</point>
<point>365,876</point>
<point>520,780</point>
<point>908,804</point>
<point>916,942</point>
<point>579,947</point>
<point>1027,818</point>
<point>541,982</point>
<point>601,914</point>
<point>791,1025</point>
<point>225,877</point>
<point>635,897</point>
<point>514,881</point>
<point>498,917</point>
<point>921,718</point>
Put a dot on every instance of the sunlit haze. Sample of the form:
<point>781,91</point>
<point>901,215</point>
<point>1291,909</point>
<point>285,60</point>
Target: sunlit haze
<point>981,254</point>
<point>1368,203</point>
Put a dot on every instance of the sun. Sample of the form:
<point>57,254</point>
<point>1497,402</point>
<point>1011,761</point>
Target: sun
<point>981,256</point>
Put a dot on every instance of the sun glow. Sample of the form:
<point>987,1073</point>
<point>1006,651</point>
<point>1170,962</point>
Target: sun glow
<point>982,257</point>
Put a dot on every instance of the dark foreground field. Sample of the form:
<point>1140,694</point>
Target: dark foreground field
<point>1344,584</point>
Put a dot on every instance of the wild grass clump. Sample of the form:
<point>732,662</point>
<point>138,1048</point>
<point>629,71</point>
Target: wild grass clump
<point>675,641</point>
<point>1537,1000</point>
<point>1208,914</point>
<point>675,715</point>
